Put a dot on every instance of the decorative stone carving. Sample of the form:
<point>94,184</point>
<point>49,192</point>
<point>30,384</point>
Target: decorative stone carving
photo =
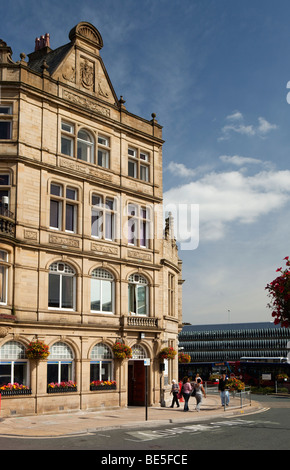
<point>87,75</point>
<point>4,331</point>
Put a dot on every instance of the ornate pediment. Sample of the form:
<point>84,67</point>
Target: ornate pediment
<point>88,33</point>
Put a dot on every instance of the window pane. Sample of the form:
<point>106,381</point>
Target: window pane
<point>71,194</point>
<point>96,200</point>
<point>5,130</point>
<point>55,189</point>
<point>132,152</point>
<point>103,158</point>
<point>95,294</point>
<point>2,284</point>
<point>144,156</point>
<point>141,300</point>
<point>106,371</point>
<point>67,127</point>
<point>132,169</point>
<point>53,290</point>
<point>55,214</point>
<point>67,292</point>
<point>95,372</point>
<point>52,373</point>
<point>106,296</point>
<point>97,220</point>
<point>5,109</point>
<point>83,135</point>
<point>70,217</point>
<point>132,231</point>
<point>109,226</point>
<point>144,173</point>
<point>20,373</point>
<point>143,234</point>
<point>132,298</point>
<point>103,141</point>
<point>4,180</point>
<point>5,374</point>
<point>65,372</point>
<point>67,146</point>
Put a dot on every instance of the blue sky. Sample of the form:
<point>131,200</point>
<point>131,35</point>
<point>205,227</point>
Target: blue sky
<point>215,72</point>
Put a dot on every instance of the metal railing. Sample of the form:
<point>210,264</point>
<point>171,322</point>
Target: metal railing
<point>244,396</point>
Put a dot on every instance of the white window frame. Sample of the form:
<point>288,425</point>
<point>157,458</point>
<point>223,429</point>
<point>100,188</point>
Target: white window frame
<point>135,216</point>
<point>101,275</point>
<point>65,356</point>
<point>138,281</point>
<point>140,163</point>
<point>103,151</point>
<point>100,357</point>
<point>62,201</point>
<point>13,356</point>
<point>55,270</point>
<point>90,146</point>
<point>104,213</point>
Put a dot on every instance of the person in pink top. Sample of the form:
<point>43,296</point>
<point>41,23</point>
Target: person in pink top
<point>186,392</point>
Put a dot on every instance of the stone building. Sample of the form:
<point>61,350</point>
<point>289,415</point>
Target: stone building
<point>86,260</point>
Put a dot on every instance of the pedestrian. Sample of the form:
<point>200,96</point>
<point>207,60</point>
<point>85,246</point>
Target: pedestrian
<point>174,391</point>
<point>225,396</point>
<point>186,392</point>
<point>199,391</point>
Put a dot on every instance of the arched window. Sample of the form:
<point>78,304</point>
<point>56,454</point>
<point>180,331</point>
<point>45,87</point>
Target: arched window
<point>13,363</point>
<point>138,295</point>
<point>138,352</point>
<point>102,291</point>
<point>60,363</point>
<point>85,146</point>
<point>101,363</point>
<point>62,286</point>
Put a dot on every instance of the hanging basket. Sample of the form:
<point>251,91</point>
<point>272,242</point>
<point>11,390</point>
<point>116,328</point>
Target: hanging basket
<point>167,353</point>
<point>184,358</point>
<point>37,350</point>
<point>122,351</point>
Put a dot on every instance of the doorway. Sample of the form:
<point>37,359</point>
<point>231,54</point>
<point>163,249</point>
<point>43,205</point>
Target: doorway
<point>136,383</point>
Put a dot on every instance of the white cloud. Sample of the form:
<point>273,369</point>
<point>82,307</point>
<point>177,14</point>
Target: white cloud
<point>264,126</point>
<point>237,160</point>
<point>237,125</point>
<point>231,197</point>
<point>179,169</point>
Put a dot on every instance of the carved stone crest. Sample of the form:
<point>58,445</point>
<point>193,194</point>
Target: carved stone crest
<point>87,74</point>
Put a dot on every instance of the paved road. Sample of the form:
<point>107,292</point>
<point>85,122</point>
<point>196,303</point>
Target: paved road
<point>267,430</point>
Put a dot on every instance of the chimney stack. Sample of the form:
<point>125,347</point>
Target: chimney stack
<point>43,41</point>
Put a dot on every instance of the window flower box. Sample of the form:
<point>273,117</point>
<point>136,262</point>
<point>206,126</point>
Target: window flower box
<point>62,387</point>
<point>103,385</point>
<point>14,389</point>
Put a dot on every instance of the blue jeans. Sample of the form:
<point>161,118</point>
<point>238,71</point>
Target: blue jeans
<point>186,398</point>
<point>225,397</point>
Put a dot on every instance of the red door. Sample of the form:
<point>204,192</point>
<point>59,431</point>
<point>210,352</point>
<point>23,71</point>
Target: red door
<point>136,383</point>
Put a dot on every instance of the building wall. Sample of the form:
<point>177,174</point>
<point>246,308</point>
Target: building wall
<point>70,85</point>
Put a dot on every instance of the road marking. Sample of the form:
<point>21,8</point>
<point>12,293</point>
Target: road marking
<point>150,434</point>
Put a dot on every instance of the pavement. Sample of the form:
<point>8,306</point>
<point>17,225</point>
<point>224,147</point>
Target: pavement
<point>86,422</point>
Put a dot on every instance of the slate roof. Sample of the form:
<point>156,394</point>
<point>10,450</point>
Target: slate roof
<point>53,59</point>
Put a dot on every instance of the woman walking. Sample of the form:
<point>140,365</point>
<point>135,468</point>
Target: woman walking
<point>174,391</point>
<point>199,390</point>
<point>186,392</point>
